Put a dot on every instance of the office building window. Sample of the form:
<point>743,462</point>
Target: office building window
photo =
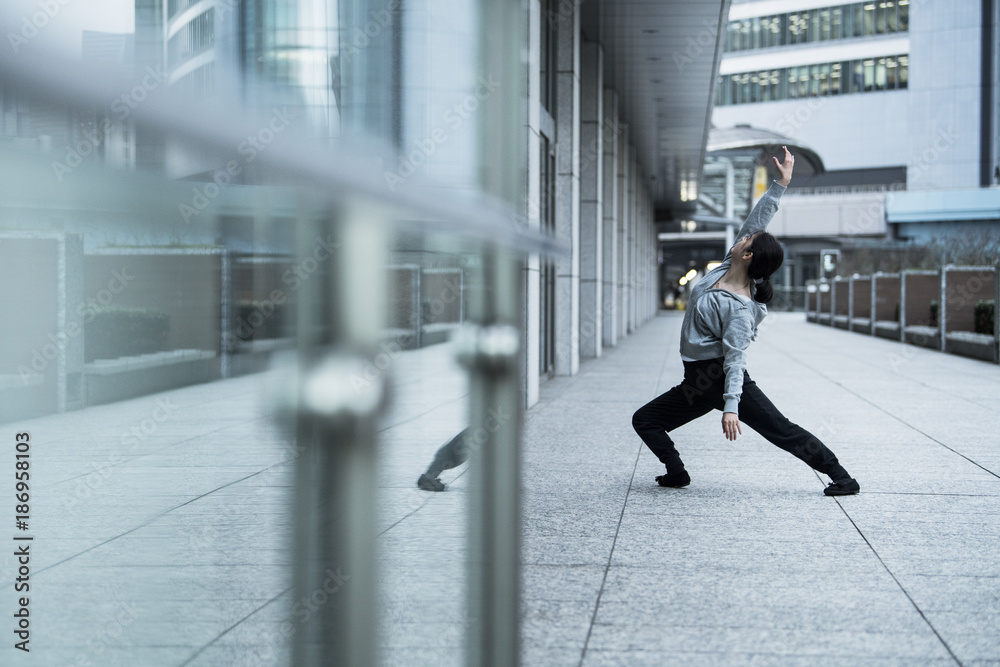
<point>194,38</point>
<point>548,31</point>
<point>820,80</point>
<point>858,19</point>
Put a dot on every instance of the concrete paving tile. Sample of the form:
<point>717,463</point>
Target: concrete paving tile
<point>561,582</point>
<point>105,655</point>
<point>751,640</point>
<point>951,593</point>
<point>722,659</point>
<point>404,657</point>
<point>532,654</point>
<point>740,567</point>
<point>220,654</point>
<point>715,611</point>
<point>958,622</point>
<point>972,647</point>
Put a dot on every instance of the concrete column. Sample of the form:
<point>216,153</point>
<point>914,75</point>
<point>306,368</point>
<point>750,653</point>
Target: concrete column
<point>633,173</point>
<point>609,204</point>
<point>567,202</point>
<point>591,197</point>
<point>532,303</point>
<point>567,324</point>
<point>649,275</point>
<point>623,162</point>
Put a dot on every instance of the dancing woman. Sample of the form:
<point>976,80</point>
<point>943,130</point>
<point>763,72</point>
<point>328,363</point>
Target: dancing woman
<point>720,321</point>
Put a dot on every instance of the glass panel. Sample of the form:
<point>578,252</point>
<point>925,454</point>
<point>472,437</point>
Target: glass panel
<point>859,20</point>
<point>891,70</point>
<point>794,29</point>
<point>904,71</point>
<point>755,33</point>
<point>904,15</point>
<point>880,74</point>
<point>835,78</point>
<point>779,78</point>
<point>159,279</point>
<point>858,76</point>
<point>869,68</point>
<point>824,79</point>
<point>869,18</point>
<point>892,22</point>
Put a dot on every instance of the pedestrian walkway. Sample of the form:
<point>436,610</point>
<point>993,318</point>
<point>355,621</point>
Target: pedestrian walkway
<point>162,525</point>
<point>752,564</point>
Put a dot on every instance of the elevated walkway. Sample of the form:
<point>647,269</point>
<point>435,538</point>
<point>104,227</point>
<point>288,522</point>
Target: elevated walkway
<point>163,531</point>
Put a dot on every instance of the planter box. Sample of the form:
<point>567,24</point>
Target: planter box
<point>841,321</point>
<point>922,336</point>
<point>887,329</point>
<point>110,380</point>
<point>861,325</point>
<point>975,345</point>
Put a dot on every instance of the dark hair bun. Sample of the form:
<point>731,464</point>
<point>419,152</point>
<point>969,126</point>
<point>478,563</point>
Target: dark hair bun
<point>764,292</point>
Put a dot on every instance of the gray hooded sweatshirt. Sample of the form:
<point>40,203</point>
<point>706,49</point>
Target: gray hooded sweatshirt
<point>718,323</point>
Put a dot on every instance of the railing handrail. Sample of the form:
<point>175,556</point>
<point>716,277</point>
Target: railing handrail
<point>62,80</point>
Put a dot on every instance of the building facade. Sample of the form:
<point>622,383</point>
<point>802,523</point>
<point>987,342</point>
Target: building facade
<point>898,98</point>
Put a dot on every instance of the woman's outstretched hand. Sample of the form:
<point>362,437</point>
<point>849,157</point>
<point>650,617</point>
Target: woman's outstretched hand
<point>731,425</point>
<point>785,168</point>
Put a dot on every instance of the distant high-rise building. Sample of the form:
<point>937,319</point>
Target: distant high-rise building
<point>898,98</point>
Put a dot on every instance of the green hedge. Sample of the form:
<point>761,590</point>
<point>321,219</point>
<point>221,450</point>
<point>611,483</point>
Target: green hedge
<point>984,313</point>
<point>118,331</point>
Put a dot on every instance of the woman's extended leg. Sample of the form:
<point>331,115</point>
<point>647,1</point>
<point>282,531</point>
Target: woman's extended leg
<point>692,398</point>
<point>757,412</point>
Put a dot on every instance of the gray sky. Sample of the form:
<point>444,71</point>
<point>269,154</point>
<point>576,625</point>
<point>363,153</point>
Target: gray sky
<point>63,23</point>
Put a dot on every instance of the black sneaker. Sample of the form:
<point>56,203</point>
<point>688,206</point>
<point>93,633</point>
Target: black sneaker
<point>845,487</point>
<point>674,479</point>
<point>428,483</point>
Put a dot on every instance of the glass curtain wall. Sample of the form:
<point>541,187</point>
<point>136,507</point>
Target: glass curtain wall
<point>259,368</point>
<point>859,19</point>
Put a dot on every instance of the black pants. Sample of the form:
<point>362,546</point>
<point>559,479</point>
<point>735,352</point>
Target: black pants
<point>700,393</point>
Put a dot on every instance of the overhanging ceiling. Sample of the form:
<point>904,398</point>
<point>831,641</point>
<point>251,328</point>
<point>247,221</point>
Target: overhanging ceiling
<point>662,56</point>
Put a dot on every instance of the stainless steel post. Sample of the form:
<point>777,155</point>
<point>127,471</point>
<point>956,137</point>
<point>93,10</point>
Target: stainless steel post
<point>491,353</point>
<point>340,314</point>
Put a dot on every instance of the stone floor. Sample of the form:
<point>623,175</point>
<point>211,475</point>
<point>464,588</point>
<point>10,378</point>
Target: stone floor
<point>162,525</point>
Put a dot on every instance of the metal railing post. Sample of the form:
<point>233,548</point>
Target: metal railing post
<point>340,314</point>
<point>491,353</point>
